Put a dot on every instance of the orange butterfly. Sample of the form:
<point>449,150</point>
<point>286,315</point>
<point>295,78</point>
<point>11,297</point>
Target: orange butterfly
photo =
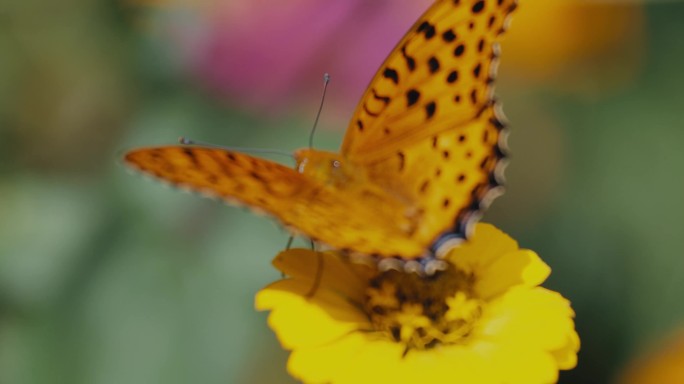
<point>421,159</point>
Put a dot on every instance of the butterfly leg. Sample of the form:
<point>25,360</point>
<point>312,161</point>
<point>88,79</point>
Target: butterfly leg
<point>406,351</point>
<point>289,243</point>
<point>287,248</point>
<point>291,239</point>
<point>317,277</point>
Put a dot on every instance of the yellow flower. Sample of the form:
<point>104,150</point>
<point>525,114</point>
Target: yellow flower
<point>482,320</point>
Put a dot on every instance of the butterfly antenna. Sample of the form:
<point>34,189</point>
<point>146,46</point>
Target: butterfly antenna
<point>326,81</point>
<point>186,141</point>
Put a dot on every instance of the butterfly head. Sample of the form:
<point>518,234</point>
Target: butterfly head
<point>326,167</point>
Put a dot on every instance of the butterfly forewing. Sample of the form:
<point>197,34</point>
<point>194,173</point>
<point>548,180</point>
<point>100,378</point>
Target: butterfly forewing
<point>338,216</point>
<point>438,77</point>
<point>231,175</point>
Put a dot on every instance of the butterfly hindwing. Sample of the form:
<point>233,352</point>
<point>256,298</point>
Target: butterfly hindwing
<point>450,178</point>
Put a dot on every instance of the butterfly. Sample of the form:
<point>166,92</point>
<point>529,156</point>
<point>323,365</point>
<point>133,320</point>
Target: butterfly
<point>421,159</point>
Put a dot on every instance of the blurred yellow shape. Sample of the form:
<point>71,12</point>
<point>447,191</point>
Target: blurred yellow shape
<point>665,365</point>
<point>551,38</point>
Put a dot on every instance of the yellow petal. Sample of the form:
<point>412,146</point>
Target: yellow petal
<point>518,363</point>
<point>485,246</point>
<point>373,363</point>
<point>449,364</point>
<point>521,267</point>
<point>356,359</point>
<point>533,317</point>
<point>566,357</point>
<point>300,321</point>
<point>353,359</point>
<point>350,280</point>
<point>321,365</point>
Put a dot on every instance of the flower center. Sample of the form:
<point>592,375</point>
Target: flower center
<point>423,312</point>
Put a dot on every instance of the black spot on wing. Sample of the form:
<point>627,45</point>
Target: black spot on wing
<point>221,164</point>
<point>484,162</point>
<point>190,155</point>
<point>449,36</point>
<point>452,77</point>
<point>460,49</point>
<point>368,111</point>
<point>433,64</point>
<point>478,7</point>
<point>412,97</point>
<point>402,160</point>
<point>257,176</point>
<point>430,109</point>
<point>424,186</point>
<point>384,99</point>
<point>497,123</point>
<point>477,70</point>
<point>410,61</point>
<point>428,29</point>
<point>391,74</point>
<point>481,45</point>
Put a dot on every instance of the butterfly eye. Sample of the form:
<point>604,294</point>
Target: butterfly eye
<point>335,163</point>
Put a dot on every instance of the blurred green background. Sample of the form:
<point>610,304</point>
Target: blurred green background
<point>107,277</point>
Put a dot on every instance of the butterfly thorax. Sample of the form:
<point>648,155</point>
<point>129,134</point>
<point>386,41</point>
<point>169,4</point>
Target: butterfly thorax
<point>340,175</point>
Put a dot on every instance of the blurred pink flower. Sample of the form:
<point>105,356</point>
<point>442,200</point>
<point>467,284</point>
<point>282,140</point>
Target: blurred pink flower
<point>267,55</point>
